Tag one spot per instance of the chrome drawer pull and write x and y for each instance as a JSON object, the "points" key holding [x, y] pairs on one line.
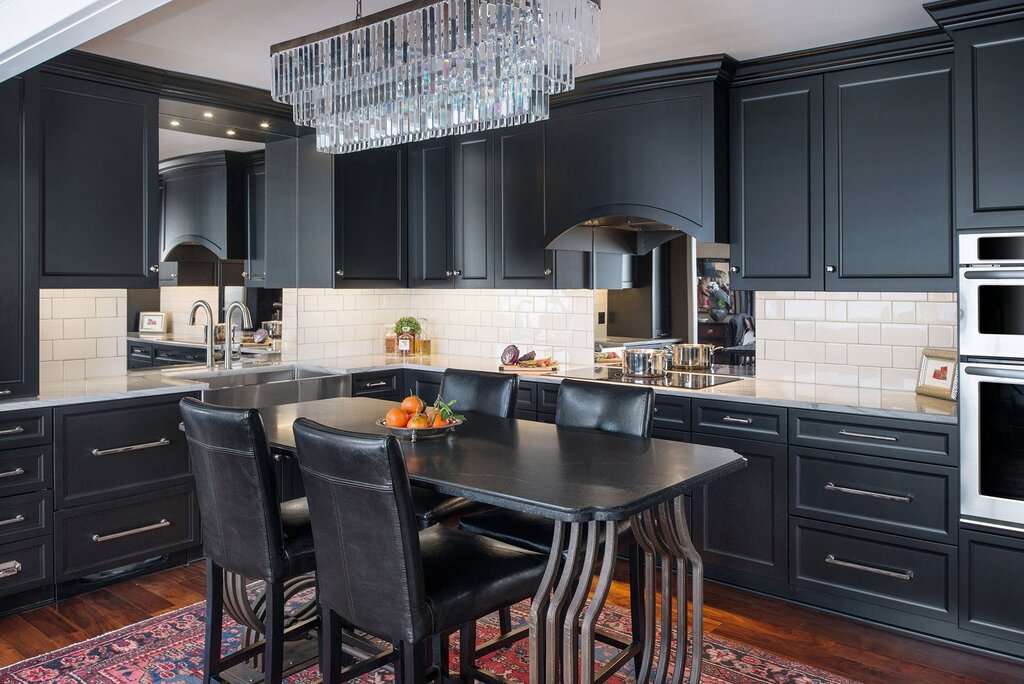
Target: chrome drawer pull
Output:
{"points": [[738, 421], [9, 569], [162, 442], [127, 533], [905, 575], [10, 521], [12, 473], [864, 435], [902, 498], [4, 393], [382, 383], [12, 431]]}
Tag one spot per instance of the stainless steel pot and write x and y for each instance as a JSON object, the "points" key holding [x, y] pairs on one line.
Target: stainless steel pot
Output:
{"points": [[693, 356], [645, 363]]}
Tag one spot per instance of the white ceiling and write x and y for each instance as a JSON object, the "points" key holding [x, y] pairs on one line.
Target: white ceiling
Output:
{"points": [[177, 143], [230, 39]]}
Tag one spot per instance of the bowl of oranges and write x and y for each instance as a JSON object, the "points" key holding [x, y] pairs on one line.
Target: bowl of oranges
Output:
{"points": [[415, 420]]}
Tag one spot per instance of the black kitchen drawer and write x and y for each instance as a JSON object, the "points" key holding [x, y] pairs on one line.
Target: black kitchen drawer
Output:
{"points": [[26, 470], [167, 355], [88, 465], [90, 539], [674, 435], [991, 590], [526, 400], [547, 397], [526, 415], [910, 440], [140, 351], [671, 413], [25, 565], [25, 428], [376, 384], [26, 515], [914, 499], [747, 421], [900, 573]]}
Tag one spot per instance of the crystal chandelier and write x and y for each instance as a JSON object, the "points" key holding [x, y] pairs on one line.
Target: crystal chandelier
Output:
{"points": [[430, 68]]}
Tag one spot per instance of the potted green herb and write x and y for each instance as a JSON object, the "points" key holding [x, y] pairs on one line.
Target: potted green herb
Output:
{"points": [[410, 322]]}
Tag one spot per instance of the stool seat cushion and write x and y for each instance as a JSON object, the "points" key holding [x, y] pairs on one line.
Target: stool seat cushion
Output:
{"points": [[526, 530]]}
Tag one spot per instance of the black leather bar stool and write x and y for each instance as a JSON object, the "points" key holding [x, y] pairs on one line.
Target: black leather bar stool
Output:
{"points": [[619, 409], [382, 576], [245, 530], [489, 394]]}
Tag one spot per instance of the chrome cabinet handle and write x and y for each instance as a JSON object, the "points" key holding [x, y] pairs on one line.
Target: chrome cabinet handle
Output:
{"points": [[864, 435], [830, 269], [9, 569], [245, 274], [4, 393], [738, 421], [127, 533], [457, 273], [905, 575], [902, 498], [12, 431], [339, 273], [382, 383], [10, 521], [449, 273], [162, 442], [734, 269], [547, 272], [154, 268], [12, 473]]}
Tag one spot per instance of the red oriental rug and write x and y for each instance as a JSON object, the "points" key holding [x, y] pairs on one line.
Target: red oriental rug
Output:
{"points": [[169, 648]]}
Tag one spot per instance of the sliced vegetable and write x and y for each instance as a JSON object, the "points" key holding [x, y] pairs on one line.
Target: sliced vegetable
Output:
{"points": [[510, 355]]}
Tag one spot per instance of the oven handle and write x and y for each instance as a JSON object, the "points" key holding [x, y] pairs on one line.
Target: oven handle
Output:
{"points": [[987, 372], [993, 274]]}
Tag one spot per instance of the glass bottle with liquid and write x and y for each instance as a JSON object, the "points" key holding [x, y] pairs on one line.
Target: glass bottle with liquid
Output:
{"points": [[406, 342], [390, 341], [423, 344]]}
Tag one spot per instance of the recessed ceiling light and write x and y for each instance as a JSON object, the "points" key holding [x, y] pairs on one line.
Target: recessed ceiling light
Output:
{"points": [[230, 131], [264, 124], [175, 123], [208, 115]]}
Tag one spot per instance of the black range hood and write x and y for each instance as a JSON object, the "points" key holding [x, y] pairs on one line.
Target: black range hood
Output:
{"points": [[633, 235]]}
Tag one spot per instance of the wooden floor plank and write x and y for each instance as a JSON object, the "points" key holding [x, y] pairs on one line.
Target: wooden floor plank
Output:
{"points": [[137, 595], [117, 608], [23, 636]]}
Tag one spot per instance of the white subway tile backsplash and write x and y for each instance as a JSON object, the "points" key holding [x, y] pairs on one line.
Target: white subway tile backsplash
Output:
{"points": [[869, 311], [846, 333], [936, 313], [805, 310], [82, 333], [914, 335]]}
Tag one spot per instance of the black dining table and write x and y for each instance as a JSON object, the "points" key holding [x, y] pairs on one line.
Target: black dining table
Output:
{"points": [[588, 482]]}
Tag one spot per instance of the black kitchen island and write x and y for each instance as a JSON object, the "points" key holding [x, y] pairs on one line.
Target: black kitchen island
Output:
{"points": [[589, 482]]}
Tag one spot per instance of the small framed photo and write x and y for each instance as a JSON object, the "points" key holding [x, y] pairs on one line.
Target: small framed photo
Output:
{"points": [[152, 322], [938, 375]]}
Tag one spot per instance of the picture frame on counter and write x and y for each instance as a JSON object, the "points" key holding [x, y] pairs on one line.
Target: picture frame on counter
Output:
{"points": [[154, 322], [938, 373]]}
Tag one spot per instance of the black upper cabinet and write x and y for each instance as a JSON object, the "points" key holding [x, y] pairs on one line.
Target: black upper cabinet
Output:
{"points": [[431, 241], [650, 154], [989, 139], [99, 190], [777, 214], [204, 203], [370, 220], [473, 209], [19, 259], [888, 177], [520, 259], [255, 273], [280, 181]]}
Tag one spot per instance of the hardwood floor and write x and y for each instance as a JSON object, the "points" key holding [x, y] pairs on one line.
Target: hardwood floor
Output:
{"points": [[859, 652]]}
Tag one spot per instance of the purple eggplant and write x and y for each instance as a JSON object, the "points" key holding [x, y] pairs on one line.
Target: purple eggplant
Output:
{"points": [[528, 356]]}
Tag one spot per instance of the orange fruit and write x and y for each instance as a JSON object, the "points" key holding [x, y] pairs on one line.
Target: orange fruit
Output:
{"points": [[438, 421], [412, 404], [418, 421], [396, 417]]}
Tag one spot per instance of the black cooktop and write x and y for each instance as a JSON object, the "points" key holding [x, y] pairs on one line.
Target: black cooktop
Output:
{"points": [[676, 379]]}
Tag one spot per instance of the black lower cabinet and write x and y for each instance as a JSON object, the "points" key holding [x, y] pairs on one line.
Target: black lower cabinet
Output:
{"points": [[991, 590], [386, 385], [740, 520], [424, 384]]}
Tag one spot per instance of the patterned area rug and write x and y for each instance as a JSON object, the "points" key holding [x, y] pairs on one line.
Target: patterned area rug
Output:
{"points": [[169, 649]]}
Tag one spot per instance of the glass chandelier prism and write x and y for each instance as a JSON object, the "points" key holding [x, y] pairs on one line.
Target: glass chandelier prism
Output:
{"points": [[430, 68]]}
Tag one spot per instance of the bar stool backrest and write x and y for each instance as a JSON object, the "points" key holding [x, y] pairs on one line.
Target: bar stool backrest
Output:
{"points": [[489, 394], [621, 409]]}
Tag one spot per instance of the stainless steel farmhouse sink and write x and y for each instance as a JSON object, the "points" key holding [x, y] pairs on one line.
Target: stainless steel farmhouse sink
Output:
{"points": [[258, 388]]}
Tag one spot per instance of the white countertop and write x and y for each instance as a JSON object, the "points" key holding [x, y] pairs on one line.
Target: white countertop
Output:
{"points": [[870, 402]]}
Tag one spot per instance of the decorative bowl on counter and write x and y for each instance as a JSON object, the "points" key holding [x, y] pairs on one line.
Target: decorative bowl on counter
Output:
{"points": [[414, 434]]}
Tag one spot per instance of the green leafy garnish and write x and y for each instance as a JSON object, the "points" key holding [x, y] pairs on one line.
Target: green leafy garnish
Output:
{"points": [[410, 322], [445, 408]]}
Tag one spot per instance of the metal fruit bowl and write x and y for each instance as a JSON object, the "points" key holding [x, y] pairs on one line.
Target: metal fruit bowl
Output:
{"points": [[414, 434]]}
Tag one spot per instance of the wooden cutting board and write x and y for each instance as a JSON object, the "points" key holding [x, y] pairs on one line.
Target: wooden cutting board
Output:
{"points": [[535, 370]]}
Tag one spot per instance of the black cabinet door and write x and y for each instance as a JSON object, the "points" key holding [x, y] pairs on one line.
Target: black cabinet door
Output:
{"points": [[19, 259], [100, 199], [888, 177], [204, 203], [280, 186], [740, 521], [473, 210], [989, 142], [431, 241], [777, 217], [255, 274], [520, 258], [370, 222], [991, 593], [424, 384]]}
